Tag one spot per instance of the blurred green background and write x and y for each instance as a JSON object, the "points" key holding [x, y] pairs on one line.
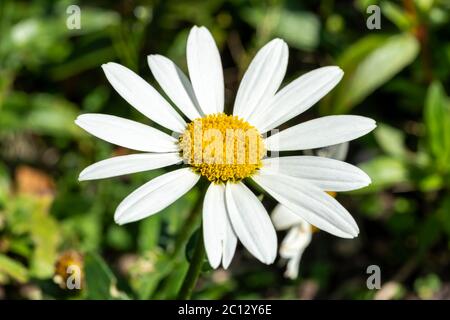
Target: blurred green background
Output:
{"points": [[49, 74]]}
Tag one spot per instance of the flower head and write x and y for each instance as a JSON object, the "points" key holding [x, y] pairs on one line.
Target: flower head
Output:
{"points": [[227, 149]]}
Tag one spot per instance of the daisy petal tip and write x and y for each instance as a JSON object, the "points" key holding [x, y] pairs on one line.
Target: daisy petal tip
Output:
{"points": [[106, 66], [226, 264], [364, 178], [349, 235], [370, 125], [367, 180], [279, 41], [202, 28], [78, 121], [84, 175], [355, 232], [214, 264], [353, 235], [118, 218], [153, 58], [194, 29], [269, 261], [336, 72], [374, 124]]}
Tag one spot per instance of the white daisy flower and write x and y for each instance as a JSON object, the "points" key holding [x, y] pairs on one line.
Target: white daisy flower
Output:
{"points": [[300, 232], [230, 210]]}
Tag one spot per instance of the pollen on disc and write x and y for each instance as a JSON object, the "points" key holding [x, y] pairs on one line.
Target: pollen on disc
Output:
{"points": [[222, 147]]}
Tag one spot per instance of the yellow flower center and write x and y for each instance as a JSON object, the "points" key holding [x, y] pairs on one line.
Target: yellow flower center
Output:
{"points": [[222, 147]]}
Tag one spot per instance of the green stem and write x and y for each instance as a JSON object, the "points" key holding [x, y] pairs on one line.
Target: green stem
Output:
{"points": [[188, 227], [194, 270]]}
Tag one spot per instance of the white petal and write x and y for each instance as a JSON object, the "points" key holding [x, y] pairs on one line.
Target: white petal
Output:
{"points": [[297, 239], [293, 266], [131, 163], [297, 97], [320, 132], [155, 195], [283, 218], [293, 246], [219, 238], [142, 96], [310, 203], [127, 133], [175, 84], [262, 78], [205, 70], [325, 173], [251, 222]]}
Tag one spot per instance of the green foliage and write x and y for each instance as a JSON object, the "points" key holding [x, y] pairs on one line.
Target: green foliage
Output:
{"points": [[100, 281], [437, 122], [49, 74], [286, 24], [368, 64], [12, 268]]}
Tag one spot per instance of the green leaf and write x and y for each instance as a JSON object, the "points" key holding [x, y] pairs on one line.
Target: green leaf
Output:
{"points": [[45, 235], [52, 115], [149, 270], [385, 172], [4, 184], [396, 15], [426, 287], [100, 281], [173, 282], [391, 140], [369, 64], [289, 24], [118, 238], [149, 231], [298, 28], [437, 121], [13, 269]]}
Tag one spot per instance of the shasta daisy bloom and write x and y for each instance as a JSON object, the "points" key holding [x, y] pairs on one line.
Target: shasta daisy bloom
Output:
{"points": [[227, 149]]}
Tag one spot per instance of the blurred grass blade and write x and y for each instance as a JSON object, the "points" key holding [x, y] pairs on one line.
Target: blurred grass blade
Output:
{"points": [[100, 281], [13, 269], [149, 230], [391, 140], [437, 122], [385, 172], [396, 15], [369, 64], [45, 234], [299, 29]]}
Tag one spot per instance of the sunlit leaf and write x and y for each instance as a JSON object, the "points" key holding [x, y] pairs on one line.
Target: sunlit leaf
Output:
{"points": [[385, 172], [437, 121], [100, 280], [149, 232], [13, 268], [299, 29], [391, 140], [368, 64], [45, 235], [52, 115]]}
